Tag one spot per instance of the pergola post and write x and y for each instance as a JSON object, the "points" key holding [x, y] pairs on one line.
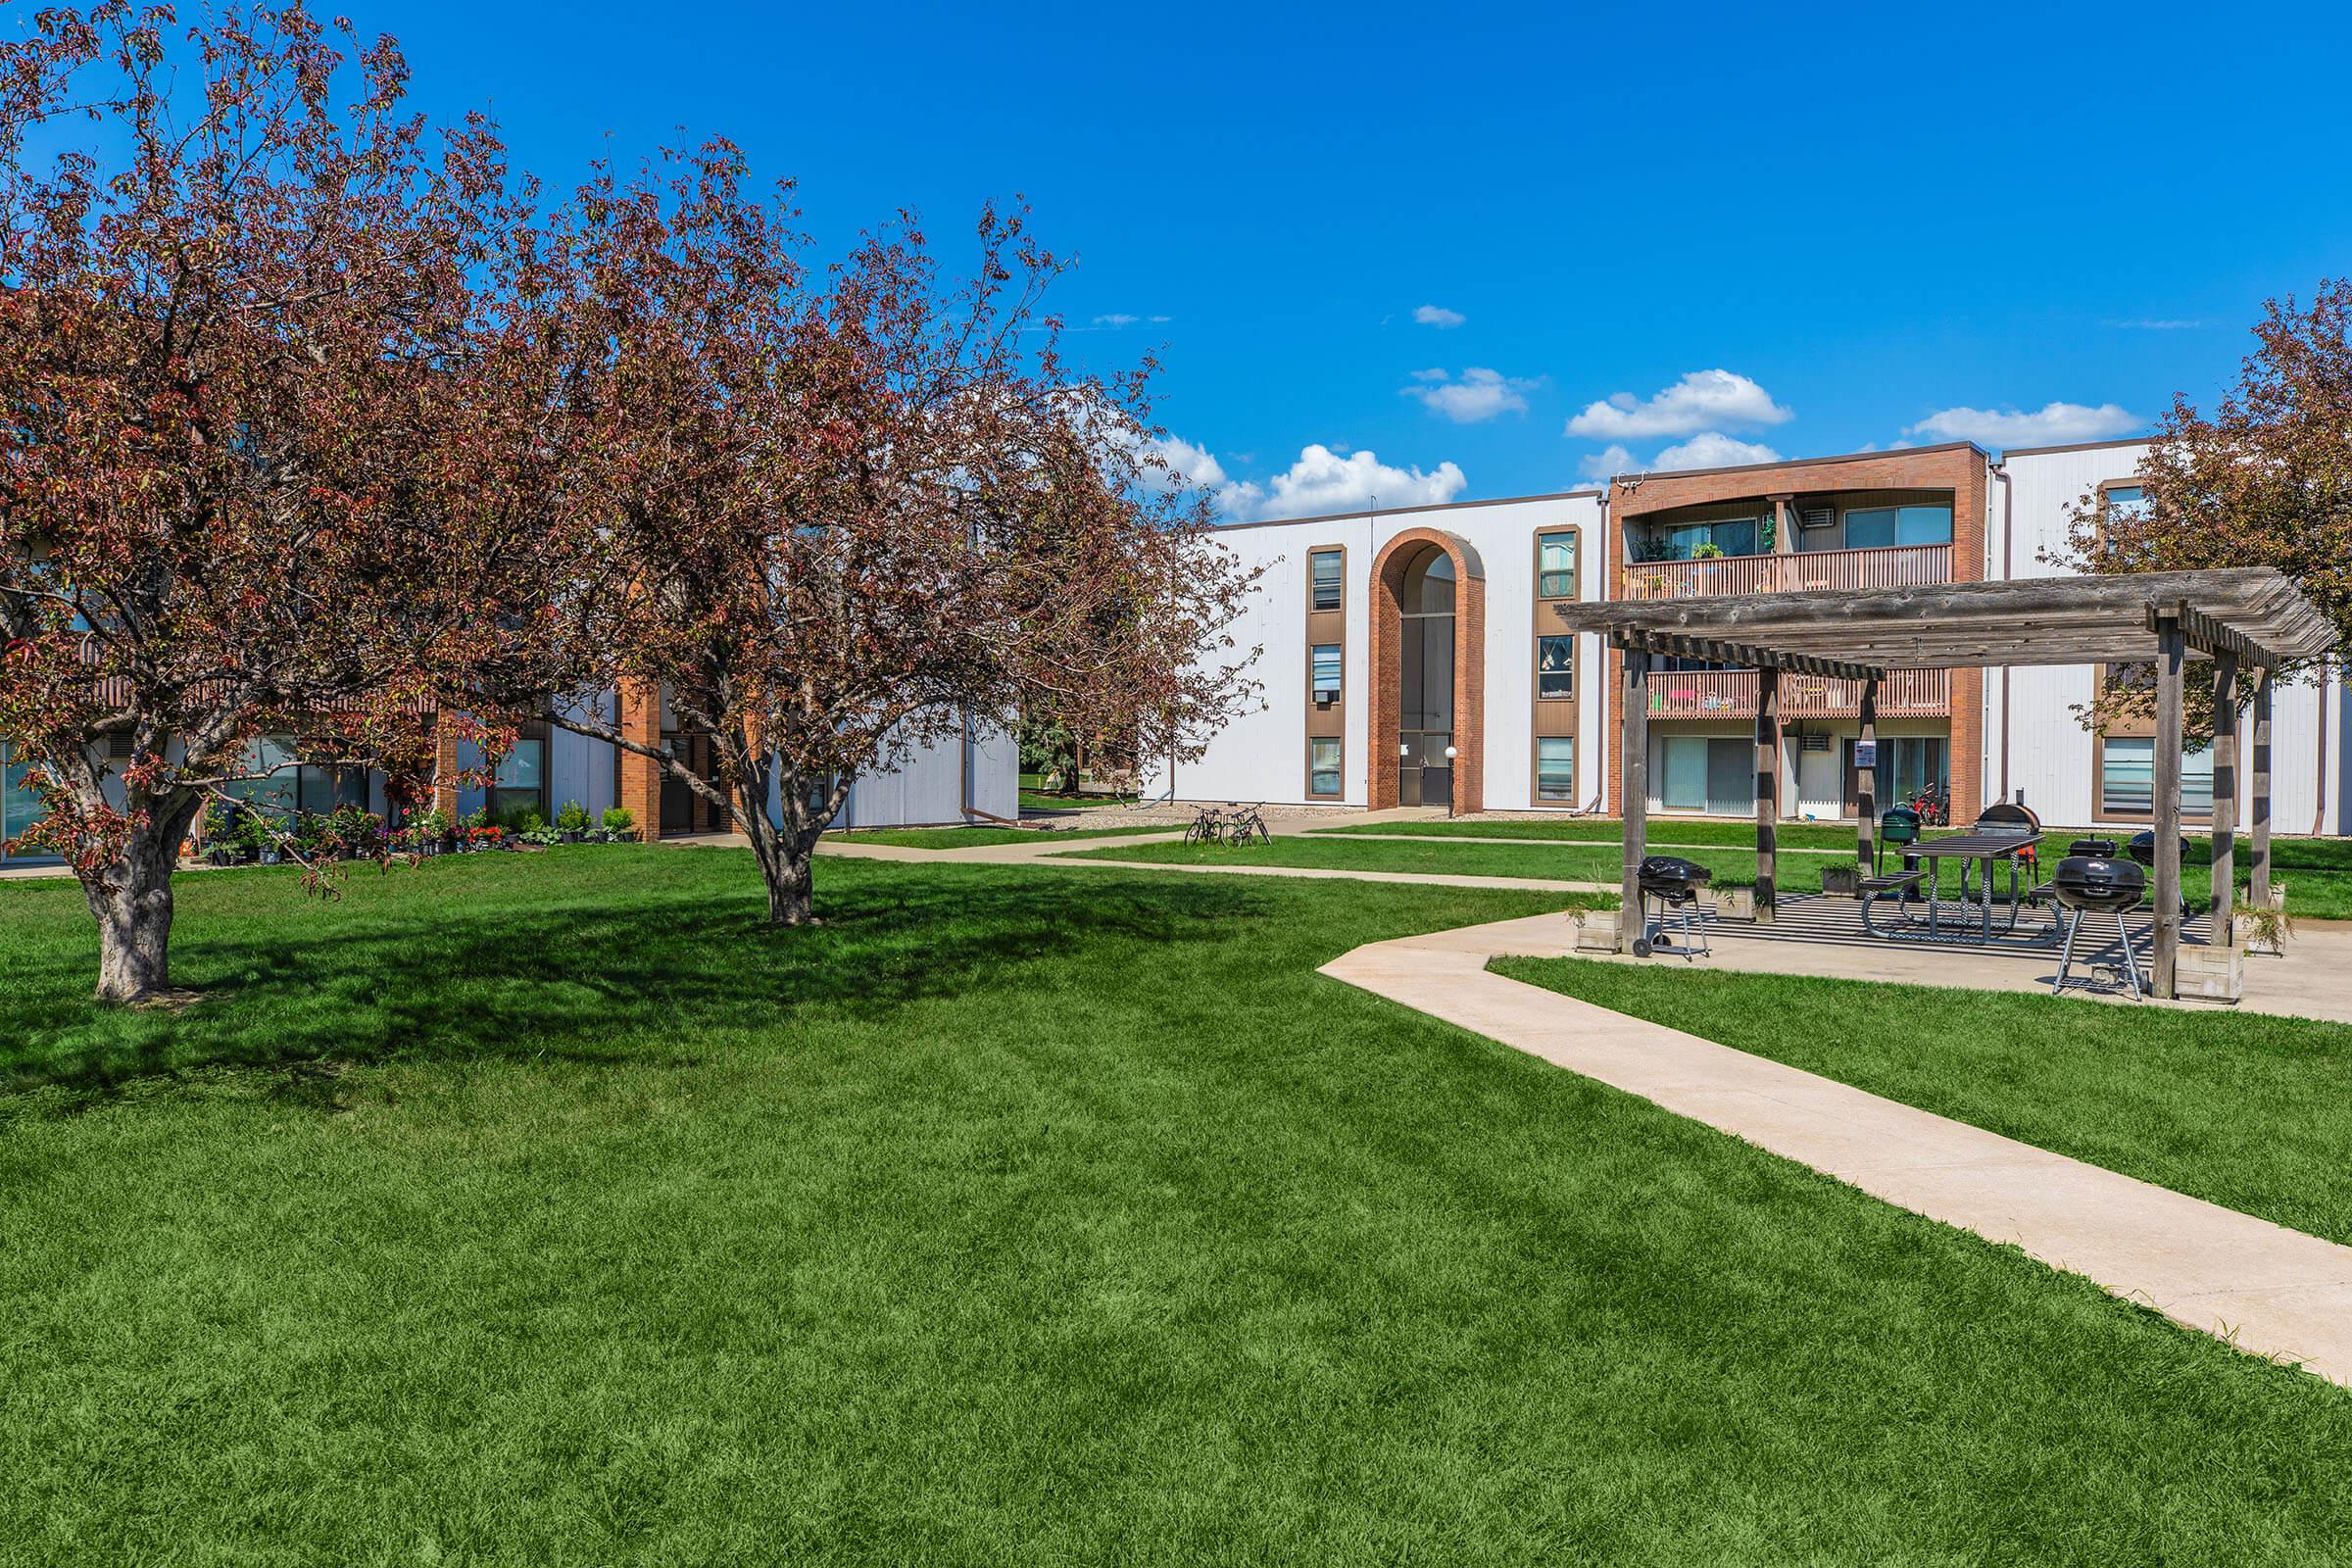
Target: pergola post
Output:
{"points": [[2260, 804], [2225, 798], [1768, 787], [1866, 781], [2171, 654], [1632, 789]]}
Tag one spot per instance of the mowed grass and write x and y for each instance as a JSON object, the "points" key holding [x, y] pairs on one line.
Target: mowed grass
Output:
{"points": [[1831, 836], [973, 838], [2318, 872], [1562, 862], [548, 1209], [2249, 1111]]}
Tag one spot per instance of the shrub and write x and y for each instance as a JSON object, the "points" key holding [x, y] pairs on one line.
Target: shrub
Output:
{"points": [[620, 819], [572, 818]]}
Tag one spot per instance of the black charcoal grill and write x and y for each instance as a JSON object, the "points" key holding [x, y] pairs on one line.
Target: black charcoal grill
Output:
{"points": [[2097, 884], [2143, 849], [1671, 884]]}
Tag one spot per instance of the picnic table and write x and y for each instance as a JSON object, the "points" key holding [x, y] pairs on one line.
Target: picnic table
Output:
{"points": [[1970, 850]]}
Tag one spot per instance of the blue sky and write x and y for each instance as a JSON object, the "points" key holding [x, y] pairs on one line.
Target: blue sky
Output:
{"points": [[1826, 229]]}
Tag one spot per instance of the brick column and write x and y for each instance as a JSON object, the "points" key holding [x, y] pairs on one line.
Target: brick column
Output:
{"points": [[641, 776]]}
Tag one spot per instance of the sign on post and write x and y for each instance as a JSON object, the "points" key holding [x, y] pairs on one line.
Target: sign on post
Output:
{"points": [[1866, 753]]}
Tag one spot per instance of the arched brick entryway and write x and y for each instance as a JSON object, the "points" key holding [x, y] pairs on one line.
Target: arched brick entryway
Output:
{"points": [[1388, 570]]}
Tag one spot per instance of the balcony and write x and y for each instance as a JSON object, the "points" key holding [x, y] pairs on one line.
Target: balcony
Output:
{"points": [[1815, 570], [1732, 693]]}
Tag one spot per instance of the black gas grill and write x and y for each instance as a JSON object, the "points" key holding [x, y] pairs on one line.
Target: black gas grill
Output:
{"points": [[2098, 884], [1672, 885]]}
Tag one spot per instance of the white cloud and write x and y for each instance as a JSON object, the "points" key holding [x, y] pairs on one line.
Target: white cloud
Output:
{"points": [[1438, 316], [2165, 323], [1712, 448], [1702, 400], [1193, 464], [1709, 449], [1322, 480], [1479, 394], [2057, 424], [1602, 465], [1117, 320]]}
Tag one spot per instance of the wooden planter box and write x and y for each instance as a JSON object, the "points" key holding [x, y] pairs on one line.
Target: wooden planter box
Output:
{"points": [[2210, 973], [1596, 931], [1843, 880], [1734, 904]]}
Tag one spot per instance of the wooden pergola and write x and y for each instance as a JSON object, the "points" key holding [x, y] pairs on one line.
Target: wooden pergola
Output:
{"points": [[2247, 622]]}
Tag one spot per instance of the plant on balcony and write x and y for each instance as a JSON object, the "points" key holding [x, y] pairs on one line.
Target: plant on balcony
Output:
{"points": [[1709, 550]]}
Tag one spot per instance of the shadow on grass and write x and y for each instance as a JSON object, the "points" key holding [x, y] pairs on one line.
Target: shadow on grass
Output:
{"points": [[640, 977]]}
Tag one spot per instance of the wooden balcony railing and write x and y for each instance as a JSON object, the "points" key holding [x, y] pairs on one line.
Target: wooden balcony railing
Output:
{"points": [[1732, 694], [1895, 566]]}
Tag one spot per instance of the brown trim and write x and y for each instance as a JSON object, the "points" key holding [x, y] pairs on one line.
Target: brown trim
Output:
{"points": [[1312, 551], [1408, 511], [1545, 713], [2077, 446], [1387, 631], [1324, 628]]}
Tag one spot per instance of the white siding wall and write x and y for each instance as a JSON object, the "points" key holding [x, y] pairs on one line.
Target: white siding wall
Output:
{"points": [[2050, 751], [1262, 754]]}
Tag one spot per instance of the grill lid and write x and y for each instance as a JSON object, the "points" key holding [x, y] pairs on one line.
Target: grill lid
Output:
{"points": [[2097, 878], [2142, 847], [2008, 816], [1672, 870]]}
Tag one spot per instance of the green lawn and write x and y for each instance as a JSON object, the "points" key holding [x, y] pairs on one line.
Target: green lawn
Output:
{"points": [[548, 1209], [2249, 1111], [972, 838], [1609, 830], [2318, 872], [1800, 868]]}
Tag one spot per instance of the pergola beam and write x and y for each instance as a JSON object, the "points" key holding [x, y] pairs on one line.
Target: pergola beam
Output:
{"points": [[2217, 641], [1748, 655]]}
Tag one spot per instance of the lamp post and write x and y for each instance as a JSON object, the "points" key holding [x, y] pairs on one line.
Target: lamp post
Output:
{"points": [[1450, 754]]}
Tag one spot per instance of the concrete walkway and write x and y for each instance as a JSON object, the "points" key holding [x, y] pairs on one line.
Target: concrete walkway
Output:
{"points": [[2273, 1292]]}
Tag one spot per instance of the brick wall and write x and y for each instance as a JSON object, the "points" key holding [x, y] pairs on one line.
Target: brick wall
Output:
{"points": [[1383, 784], [1959, 468], [641, 776]]}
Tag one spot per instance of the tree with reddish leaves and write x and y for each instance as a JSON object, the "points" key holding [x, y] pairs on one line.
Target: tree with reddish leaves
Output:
{"points": [[2266, 480], [836, 516], [275, 459]]}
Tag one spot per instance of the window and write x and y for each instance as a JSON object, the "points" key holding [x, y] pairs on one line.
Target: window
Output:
{"points": [[1324, 566], [1325, 659], [519, 785], [2126, 503], [1878, 527], [1555, 767], [1732, 536], [1555, 666], [1715, 775], [1909, 766], [19, 805], [2127, 778], [1323, 764], [280, 785], [1556, 565]]}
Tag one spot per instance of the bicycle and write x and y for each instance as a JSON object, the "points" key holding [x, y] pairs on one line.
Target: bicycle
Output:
{"points": [[1245, 823], [1206, 828]]}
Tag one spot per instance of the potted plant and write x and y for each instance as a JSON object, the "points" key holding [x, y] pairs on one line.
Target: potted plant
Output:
{"points": [[2262, 930], [620, 826], [572, 822], [1711, 551]]}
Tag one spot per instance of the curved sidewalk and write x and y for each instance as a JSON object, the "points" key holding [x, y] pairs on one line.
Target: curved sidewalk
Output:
{"points": [[2275, 1291]]}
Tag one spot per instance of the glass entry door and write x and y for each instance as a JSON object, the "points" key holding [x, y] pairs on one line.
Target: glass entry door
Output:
{"points": [[1425, 682]]}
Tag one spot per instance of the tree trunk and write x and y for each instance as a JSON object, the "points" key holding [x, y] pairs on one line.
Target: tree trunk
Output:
{"points": [[132, 900], [786, 854]]}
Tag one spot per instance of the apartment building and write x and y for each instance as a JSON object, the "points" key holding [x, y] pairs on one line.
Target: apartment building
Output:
{"points": [[971, 775], [1410, 657]]}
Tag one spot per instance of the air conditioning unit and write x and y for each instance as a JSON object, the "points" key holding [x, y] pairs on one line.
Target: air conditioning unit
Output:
{"points": [[1816, 517], [1324, 698]]}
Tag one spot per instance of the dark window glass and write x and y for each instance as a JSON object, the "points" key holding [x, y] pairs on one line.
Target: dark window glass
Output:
{"points": [[1555, 666], [1323, 765]]}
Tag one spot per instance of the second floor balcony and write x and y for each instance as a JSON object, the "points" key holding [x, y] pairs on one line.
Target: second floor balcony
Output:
{"points": [[1790, 571], [1732, 694]]}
